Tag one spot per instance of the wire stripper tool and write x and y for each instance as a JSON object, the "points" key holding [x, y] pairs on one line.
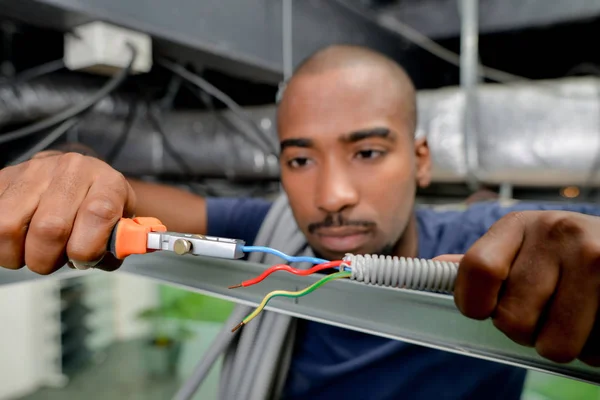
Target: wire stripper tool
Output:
{"points": [[143, 235]]}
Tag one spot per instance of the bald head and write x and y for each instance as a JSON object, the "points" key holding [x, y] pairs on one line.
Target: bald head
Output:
{"points": [[357, 68], [349, 161]]}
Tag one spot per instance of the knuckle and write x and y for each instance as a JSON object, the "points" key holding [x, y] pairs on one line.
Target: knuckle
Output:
{"points": [[118, 183], [71, 160], [104, 208], [46, 153], [559, 225], [484, 264], [51, 228], [517, 216], [590, 255], [12, 233], [11, 229]]}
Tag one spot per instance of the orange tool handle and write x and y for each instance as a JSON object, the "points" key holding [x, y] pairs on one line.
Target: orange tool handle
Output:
{"points": [[130, 236]]}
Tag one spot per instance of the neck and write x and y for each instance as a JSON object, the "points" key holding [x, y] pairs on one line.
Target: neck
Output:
{"points": [[408, 245]]}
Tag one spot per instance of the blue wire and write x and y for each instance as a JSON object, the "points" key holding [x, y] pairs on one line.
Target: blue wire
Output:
{"points": [[312, 260], [263, 249]]}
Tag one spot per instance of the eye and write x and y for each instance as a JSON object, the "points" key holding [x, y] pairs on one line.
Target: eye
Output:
{"points": [[370, 154], [298, 162]]}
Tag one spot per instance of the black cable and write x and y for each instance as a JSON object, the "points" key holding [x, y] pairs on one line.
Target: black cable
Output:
{"points": [[258, 135], [427, 44], [111, 85], [172, 91], [46, 141], [122, 139], [155, 121], [35, 72]]}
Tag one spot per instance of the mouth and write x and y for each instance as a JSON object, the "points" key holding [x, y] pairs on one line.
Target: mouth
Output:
{"points": [[342, 239]]}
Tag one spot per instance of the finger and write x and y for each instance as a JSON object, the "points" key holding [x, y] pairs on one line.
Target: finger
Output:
{"points": [[47, 153], [591, 351], [18, 202], [486, 265], [109, 263], [455, 258], [53, 220], [571, 316], [527, 291], [110, 197]]}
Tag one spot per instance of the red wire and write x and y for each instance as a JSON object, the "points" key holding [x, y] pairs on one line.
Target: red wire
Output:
{"points": [[284, 267]]}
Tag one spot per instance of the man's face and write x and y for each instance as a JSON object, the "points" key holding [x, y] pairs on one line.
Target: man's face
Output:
{"points": [[349, 163]]}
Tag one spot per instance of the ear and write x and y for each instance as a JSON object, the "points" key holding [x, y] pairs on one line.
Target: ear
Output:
{"points": [[423, 160]]}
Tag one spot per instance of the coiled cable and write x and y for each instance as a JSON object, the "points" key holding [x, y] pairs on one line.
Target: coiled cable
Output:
{"points": [[403, 272]]}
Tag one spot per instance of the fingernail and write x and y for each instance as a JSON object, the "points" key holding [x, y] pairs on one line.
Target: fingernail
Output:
{"points": [[83, 265]]}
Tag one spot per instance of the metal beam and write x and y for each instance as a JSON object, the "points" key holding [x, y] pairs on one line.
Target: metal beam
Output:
{"points": [[243, 38], [425, 319]]}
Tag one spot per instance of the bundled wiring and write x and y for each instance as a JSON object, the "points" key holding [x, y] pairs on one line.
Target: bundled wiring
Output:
{"points": [[46, 141], [117, 147], [427, 44], [284, 293], [262, 249], [74, 111], [257, 134], [287, 268], [155, 121], [35, 72]]}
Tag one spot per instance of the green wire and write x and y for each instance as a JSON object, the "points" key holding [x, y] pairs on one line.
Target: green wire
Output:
{"points": [[300, 293]]}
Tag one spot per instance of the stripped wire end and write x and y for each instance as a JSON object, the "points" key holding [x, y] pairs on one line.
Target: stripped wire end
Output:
{"points": [[236, 286], [284, 293], [238, 326]]}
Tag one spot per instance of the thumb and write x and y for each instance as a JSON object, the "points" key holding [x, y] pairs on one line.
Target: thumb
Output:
{"points": [[449, 257]]}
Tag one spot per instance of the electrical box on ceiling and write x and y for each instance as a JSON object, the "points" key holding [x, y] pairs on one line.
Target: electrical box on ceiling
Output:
{"points": [[101, 48]]}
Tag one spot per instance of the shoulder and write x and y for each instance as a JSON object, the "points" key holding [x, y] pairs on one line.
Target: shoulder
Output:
{"points": [[453, 229], [236, 218]]}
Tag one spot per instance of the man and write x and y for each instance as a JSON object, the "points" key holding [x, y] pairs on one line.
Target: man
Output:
{"points": [[350, 167]]}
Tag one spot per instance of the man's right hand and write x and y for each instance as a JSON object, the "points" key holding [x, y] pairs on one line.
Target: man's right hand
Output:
{"points": [[59, 207]]}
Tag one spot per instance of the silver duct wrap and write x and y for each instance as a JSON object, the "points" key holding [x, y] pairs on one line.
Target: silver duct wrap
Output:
{"points": [[544, 133], [49, 95], [209, 144]]}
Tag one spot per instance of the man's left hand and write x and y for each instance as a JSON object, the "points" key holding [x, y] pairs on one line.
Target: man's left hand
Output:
{"points": [[537, 275]]}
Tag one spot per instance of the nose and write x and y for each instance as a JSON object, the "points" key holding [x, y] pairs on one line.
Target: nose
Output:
{"points": [[336, 189]]}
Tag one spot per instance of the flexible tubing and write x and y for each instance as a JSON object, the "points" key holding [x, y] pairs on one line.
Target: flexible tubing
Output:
{"points": [[403, 272]]}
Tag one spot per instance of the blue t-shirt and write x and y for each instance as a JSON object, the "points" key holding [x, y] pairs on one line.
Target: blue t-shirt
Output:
{"points": [[336, 363]]}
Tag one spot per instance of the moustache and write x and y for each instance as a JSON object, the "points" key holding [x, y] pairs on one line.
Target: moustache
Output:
{"points": [[337, 220]]}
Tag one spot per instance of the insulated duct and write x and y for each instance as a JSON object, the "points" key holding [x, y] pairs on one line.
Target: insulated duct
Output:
{"points": [[48, 95], [211, 145], [544, 133]]}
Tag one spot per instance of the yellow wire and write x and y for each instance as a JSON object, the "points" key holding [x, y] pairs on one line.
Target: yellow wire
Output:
{"points": [[300, 293]]}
